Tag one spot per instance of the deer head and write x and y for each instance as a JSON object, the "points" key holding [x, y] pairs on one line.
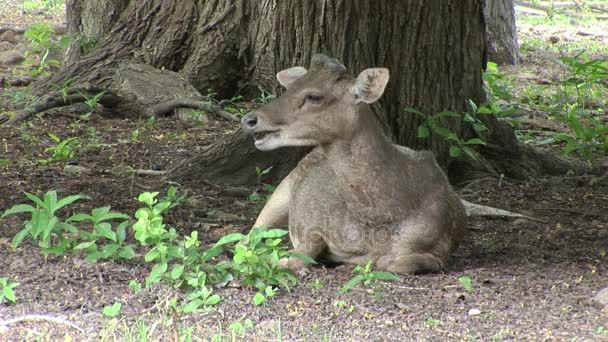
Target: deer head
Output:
{"points": [[321, 105]]}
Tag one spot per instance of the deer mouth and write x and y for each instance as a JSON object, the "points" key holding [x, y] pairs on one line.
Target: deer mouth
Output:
{"points": [[261, 136]]}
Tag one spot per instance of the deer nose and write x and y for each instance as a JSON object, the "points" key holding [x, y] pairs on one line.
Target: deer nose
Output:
{"points": [[249, 121]]}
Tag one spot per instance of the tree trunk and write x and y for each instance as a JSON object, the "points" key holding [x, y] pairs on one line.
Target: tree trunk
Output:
{"points": [[434, 49], [501, 32]]}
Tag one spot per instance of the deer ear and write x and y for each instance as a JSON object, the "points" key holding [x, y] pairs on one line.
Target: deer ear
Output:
{"points": [[288, 76], [370, 85]]}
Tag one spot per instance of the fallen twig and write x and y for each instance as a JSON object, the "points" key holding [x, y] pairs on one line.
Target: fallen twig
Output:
{"points": [[473, 209], [573, 211], [125, 170], [34, 317]]}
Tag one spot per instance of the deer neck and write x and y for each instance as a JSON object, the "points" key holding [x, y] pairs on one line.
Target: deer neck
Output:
{"points": [[364, 164]]}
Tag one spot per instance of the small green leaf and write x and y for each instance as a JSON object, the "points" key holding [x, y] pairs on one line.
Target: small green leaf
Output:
{"points": [[467, 283], [302, 257], [19, 208], [455, 151], [356, 280], [229, 239], [70, 199], [79, 217], [423, 132], [112, 310], [84, 245], [259, 299], [18, 238], [9, 293], [475, 141], [177, 271], [271, 234], [213, 300]]}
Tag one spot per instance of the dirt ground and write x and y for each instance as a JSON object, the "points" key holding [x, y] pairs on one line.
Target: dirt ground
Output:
{"points": [[530, 281]]}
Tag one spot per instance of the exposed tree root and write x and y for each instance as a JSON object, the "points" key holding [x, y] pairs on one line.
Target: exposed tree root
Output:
{"points": [[57, 99], [34, 317], [165, 107]]}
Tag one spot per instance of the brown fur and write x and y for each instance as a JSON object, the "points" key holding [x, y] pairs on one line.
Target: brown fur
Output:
{"points": [[356, 197]]}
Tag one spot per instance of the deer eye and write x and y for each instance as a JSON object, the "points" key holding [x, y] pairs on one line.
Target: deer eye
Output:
{"points": [[314, 98]]}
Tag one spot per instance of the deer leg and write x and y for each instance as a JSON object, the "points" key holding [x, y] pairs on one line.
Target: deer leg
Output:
{"points": [[276, 211], [411, 263], [312, 246]]}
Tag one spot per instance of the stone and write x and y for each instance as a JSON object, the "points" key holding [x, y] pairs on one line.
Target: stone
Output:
{"points": [[11, 57], [5, 46], [474, 312], [600, 300], [9, 36]]}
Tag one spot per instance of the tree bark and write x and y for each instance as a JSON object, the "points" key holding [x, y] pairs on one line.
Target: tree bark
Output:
{"points": [[434, 49], [501, 31]]}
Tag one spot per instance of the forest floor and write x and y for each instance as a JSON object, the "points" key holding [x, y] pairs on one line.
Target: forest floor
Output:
{"points": [[530, 281]]}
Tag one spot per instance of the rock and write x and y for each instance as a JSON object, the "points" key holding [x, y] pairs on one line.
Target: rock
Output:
{"points": [[21, 47], [60, 29], [5, 46], [474, 312], [18, 264], [228, 217], [11, 57], [76, 170], [600, 300], [9, 36]]}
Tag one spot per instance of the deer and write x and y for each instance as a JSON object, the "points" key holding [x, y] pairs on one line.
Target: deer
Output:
{"points": [[356, 197]]}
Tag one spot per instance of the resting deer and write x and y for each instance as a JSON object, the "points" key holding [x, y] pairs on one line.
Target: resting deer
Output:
{"points": [[356, 197]]}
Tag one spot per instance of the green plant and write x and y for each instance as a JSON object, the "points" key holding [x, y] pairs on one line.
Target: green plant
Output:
{"points": [[91, 101], [19, 96], [368, 278], [112, 310], [102, 229], [237, 328], [65, 87], [265, 96], [467, 283], [203, 298], [41, 42], [261, 199], [239, 111], [317, 284], [34, 4], [590, 138], [44, 226], [211, 95], [496, 83], [458, 146], [256, 258], [197, 117], [586, 76], [5, 162], [340, 304], [260, 298], [431, 323], [7, 290], [42, 66], [135, 286], [58, 237], [64, 150], [40, 36]]}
